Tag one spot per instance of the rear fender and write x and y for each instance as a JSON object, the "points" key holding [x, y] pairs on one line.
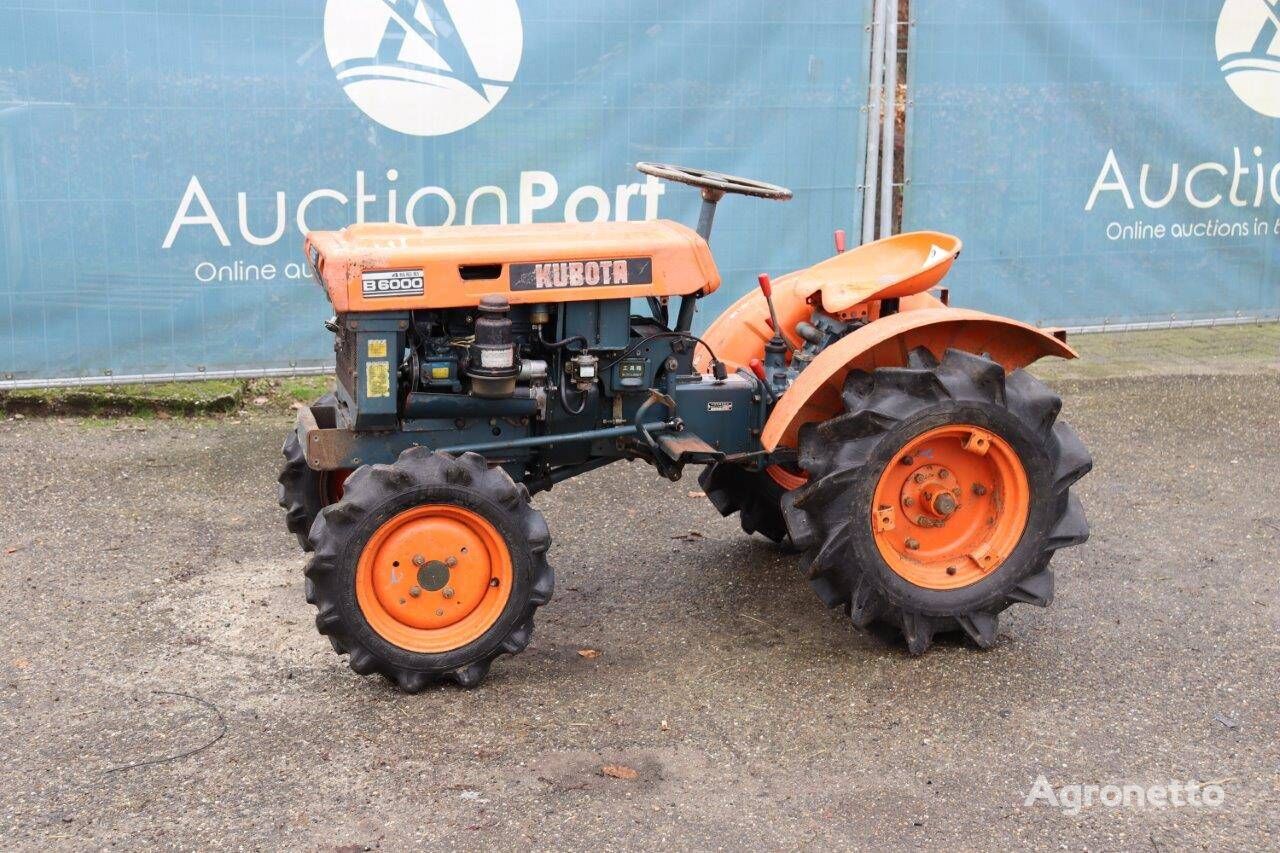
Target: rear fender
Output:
{"points": [[815, 395]]}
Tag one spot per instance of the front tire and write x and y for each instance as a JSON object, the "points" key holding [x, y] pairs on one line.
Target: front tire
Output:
{"points": [[429, 568], [939, 498]]}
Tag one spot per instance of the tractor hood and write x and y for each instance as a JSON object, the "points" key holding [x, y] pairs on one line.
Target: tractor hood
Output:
{"points": [[387, 266]]}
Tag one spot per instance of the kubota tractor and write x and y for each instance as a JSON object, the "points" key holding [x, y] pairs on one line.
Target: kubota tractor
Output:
{"points": [[845, 409]]}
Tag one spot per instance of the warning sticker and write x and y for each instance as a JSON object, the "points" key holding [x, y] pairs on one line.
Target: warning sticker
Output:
{"points": [[378, 348], [377, 379]]}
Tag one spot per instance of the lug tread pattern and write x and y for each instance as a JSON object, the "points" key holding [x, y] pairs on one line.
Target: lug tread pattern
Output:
{"points": [[834, 452]]}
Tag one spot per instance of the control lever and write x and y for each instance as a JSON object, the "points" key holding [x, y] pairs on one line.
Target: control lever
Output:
{"points": [[766, 287], [775, 351]]}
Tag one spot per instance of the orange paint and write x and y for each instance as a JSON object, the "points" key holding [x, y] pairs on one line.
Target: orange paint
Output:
{"points": [[950, 507], [434, 578], [815, 395], [681, 262], [786, 478], [902, 265]]}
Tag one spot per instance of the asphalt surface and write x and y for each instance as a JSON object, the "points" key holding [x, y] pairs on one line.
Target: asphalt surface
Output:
{"points": [[144, 560]]}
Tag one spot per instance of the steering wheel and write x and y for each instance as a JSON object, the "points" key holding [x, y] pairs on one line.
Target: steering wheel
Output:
{"points": [[714, 185]]}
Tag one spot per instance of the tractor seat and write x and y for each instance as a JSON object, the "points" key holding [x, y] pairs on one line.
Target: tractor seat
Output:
{"points": [[897, 266]]}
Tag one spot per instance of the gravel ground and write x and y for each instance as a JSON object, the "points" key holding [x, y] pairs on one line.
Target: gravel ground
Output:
{"points": [[155, 603]]}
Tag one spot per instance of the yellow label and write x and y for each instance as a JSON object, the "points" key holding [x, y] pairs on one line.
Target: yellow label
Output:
{"points": [[377, 378], [439, 373], [378, 348]]}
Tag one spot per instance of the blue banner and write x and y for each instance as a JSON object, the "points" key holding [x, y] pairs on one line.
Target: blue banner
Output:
{"points": [[159, 162], [1104, 162]]}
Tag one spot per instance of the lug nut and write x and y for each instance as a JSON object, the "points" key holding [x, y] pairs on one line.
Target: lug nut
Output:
{"points": [[908, 501], [979, 489], [447, 592], [419, 560], [439, 611], [451, 562], [907, 460], [913, 545], [951, 570], [944, 474], [920, 477], [493, 582], [415, 591]]}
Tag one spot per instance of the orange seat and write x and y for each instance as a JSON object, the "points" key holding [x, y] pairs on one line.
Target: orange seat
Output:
{"points": [[897, 266]]}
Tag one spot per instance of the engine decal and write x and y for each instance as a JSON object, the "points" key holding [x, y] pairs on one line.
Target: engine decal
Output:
{"points": [[558, 275], [720, 406], [384, 284]]}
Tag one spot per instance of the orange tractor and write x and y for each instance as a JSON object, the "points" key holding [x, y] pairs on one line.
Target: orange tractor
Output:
{"points": [[845, 409]]}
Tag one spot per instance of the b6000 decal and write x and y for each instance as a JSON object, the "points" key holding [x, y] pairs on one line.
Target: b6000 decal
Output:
{"points": [[387, 283]]}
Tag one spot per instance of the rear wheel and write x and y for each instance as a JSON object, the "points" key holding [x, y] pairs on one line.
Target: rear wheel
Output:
{"points": [[303, 491], [939, 498], [755, 495], [428, 569]]}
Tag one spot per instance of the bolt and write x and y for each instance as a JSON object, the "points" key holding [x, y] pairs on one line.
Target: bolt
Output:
{"points": [[447, 592], [951, 570], [439, 611], [907, 460], [922, 521], [402, 601], [419, 560], [921, 477], [493, 582], [912, 545], [908, 501], [979, 489], [451, 562], [415, 591], [944, 474]]}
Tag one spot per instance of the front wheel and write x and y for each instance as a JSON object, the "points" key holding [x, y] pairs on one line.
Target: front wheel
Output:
{"points": [[940, 496], [429, 568]]}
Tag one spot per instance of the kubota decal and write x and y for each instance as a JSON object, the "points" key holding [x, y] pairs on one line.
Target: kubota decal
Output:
{"points": [[555, 275]]}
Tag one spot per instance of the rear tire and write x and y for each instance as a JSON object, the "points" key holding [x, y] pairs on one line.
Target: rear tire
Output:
{"points": [[429, 568], [884, 543], [754, 495]]}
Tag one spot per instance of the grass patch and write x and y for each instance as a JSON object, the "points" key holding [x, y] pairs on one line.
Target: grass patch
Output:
{"points": [[166, 399]]}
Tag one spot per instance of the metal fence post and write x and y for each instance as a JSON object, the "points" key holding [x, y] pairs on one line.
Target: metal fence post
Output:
{"points": [[890, 142], [875, 101]]}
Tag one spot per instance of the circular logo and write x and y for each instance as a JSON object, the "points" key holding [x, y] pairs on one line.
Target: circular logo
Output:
{"points": [[1249, 50], [424, 67]]}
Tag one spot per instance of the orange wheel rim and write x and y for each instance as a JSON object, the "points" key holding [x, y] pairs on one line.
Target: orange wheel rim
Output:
{"points": [[434, 578], [786, 478], [950, 507]]}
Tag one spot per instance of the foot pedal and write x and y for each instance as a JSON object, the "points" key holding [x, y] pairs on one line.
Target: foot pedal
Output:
{"points": [[688, 449]]}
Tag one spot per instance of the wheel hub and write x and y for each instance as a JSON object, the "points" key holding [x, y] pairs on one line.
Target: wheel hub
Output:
{"points": [[434, 578], [950, 506]]}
